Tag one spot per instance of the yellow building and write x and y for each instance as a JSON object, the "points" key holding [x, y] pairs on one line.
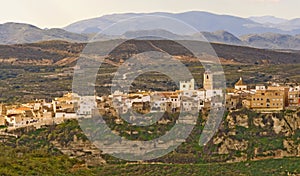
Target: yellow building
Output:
{"points": [[294, 98], [268, 99], [3, 110], [232, 101]]}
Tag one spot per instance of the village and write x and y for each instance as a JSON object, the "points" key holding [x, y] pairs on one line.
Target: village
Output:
{"points": [[263, 98]]}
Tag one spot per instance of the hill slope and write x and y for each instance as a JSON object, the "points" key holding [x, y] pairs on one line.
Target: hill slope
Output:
{"points": [[272, 41], [47, 53], [12, 33]]}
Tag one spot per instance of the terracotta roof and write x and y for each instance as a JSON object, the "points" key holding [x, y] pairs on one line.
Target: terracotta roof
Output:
{"points": [[240, 82], [23, 109]]}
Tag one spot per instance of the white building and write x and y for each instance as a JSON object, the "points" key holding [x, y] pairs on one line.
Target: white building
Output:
{"points": [[187, 85], [86, 105]]}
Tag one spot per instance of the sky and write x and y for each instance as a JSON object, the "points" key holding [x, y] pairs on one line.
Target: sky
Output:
{"points": [[60, 13]]}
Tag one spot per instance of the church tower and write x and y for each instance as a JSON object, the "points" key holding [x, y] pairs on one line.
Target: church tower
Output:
{"points": [[2, 115], [208, 80], [2, 110]]}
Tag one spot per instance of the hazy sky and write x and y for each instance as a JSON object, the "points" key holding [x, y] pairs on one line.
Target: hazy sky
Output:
{"points": [[59, 13]]}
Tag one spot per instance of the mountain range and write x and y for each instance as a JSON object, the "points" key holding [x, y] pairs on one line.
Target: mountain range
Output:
{"points": [[261, 32], [202, 21]]}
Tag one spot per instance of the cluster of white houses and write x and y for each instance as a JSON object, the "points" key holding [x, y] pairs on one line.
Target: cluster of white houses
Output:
{"points": [[187, 98], [73, 106]]}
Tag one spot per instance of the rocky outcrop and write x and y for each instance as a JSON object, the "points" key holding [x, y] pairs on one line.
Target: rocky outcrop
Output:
{"points": [[249, 135], [82, 150]]}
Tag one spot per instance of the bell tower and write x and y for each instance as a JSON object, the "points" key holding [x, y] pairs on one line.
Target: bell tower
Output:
{"points": [[2, 110], [208, 80]]}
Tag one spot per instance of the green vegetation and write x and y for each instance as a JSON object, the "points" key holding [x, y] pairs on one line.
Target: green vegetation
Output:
{"points": [[43, 164], [34, 154], [20, 161], [266, 167]]}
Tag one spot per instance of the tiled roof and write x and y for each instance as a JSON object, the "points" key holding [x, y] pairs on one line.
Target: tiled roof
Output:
{"points": [[240, 83]]}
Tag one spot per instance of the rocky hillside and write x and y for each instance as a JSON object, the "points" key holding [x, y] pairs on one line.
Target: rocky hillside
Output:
{"points": [[43, 53], [243, 136], [248, 135]]}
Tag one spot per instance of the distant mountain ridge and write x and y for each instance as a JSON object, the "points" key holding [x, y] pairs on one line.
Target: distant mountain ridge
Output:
{"points": [[14, 33], [261, 32], [271, 40], [202, 21]]}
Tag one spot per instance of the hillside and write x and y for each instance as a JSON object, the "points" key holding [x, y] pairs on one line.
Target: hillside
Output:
{"points": [[12, 33], [245, 142], [272, 41], [49, 53]]}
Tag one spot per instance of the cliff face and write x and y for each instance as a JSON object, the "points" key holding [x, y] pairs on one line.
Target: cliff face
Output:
{"points": [[246, 135]]}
